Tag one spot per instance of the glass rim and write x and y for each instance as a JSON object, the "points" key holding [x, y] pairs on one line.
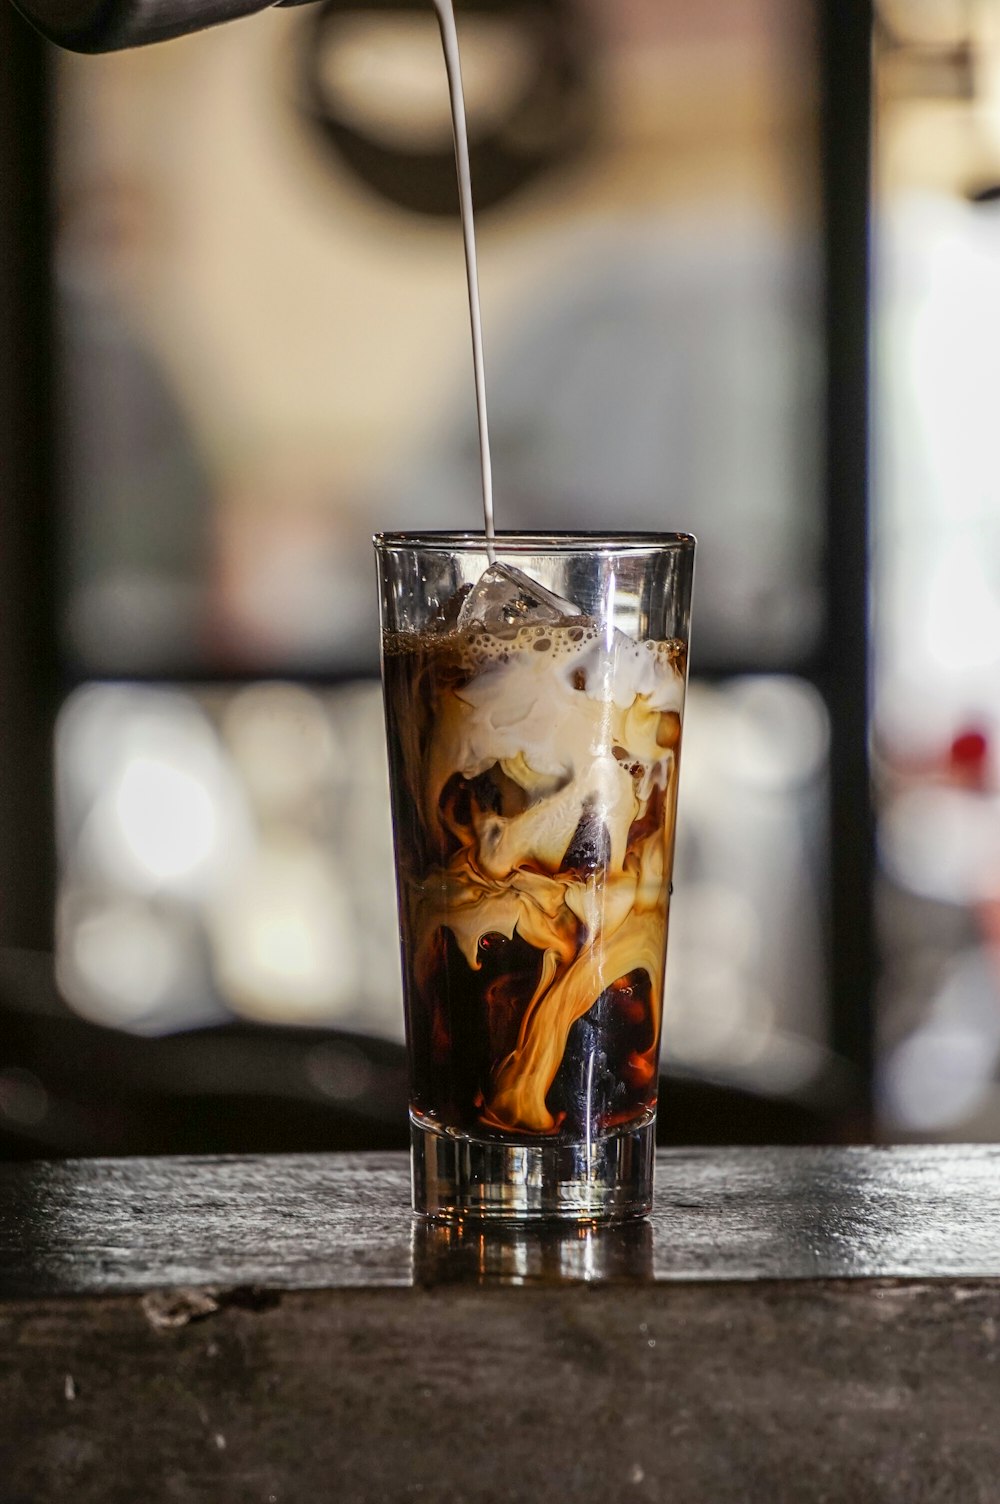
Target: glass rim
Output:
{"points": [[555, 541]]}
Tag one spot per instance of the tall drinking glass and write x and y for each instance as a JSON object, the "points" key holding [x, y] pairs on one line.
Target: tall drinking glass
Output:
{"points": [[534, 696]]}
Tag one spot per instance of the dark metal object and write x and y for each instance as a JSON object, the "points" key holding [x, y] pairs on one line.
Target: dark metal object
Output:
{"points": [[28, 662], [299, 1221], [110, 25], [843, 677]]}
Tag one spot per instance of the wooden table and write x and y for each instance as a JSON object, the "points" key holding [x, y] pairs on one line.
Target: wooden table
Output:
{"points": [[791, 1324]]}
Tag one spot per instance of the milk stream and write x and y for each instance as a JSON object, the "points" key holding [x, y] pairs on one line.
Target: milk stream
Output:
{"points": [[449, 41]]}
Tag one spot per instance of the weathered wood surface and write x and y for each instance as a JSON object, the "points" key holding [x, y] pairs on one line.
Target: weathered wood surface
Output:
{"points": [[781, 1393], [326, 1221], [791, 1326]]}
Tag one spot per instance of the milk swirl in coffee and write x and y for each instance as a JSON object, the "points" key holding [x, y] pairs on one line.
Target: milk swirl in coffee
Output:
{"points": [[535, 765], [534, 760]]}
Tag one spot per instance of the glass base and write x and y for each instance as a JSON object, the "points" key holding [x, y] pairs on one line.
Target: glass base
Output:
{"points": [[607, 1179]]}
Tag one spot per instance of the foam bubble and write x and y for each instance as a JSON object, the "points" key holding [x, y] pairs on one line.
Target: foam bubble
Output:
{"points": [[476, 649]]}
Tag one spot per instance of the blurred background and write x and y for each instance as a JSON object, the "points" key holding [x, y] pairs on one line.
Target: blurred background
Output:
{"points": [[721, 247]]}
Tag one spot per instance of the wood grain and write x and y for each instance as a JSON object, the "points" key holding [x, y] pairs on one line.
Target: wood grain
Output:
{"points": [[783, 1393], [791, 1326]]}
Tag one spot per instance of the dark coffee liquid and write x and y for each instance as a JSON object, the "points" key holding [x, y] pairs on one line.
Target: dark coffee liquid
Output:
{"points": [[532, 905], [465, 1023]]}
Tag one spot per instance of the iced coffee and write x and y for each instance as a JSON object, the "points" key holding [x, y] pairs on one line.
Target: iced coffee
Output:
{"points": [[534, 753]]}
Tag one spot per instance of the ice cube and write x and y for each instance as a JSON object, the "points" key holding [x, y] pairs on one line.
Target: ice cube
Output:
{"points": [[447, 614], [504, 599]]}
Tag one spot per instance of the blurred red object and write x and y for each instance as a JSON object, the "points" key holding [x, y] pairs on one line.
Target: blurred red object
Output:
{"points": [[969, 759]]}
